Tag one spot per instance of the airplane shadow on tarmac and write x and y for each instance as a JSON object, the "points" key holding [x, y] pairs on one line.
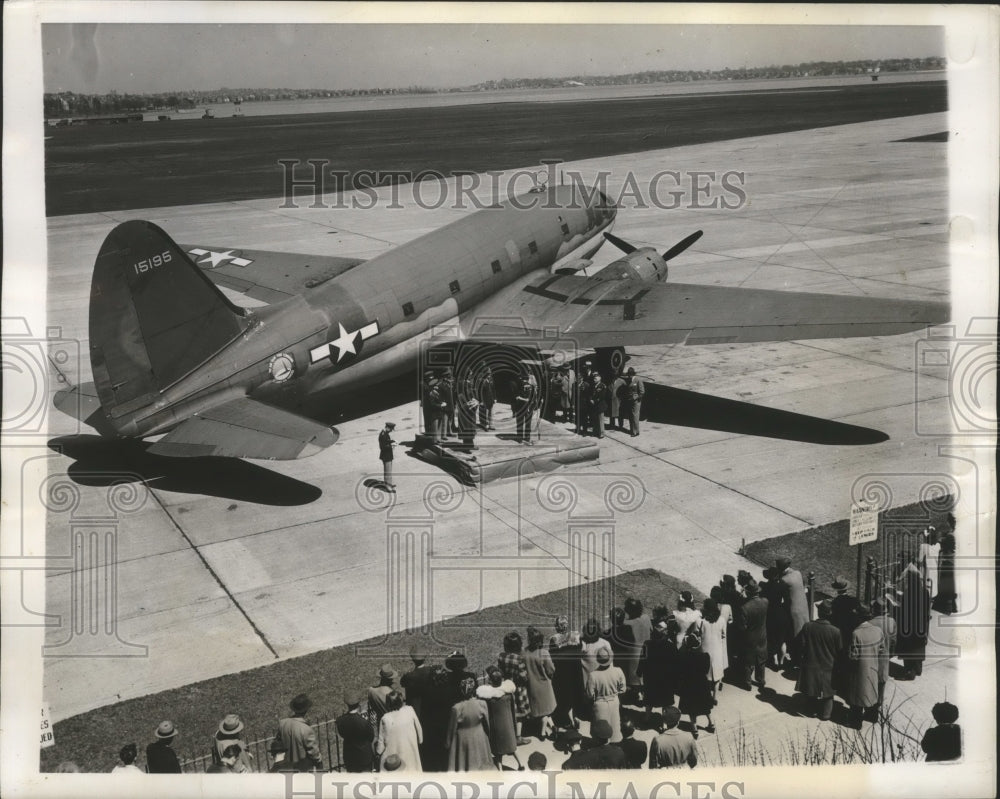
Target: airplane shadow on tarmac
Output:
{"points": [[677, 406], [101, 462]]}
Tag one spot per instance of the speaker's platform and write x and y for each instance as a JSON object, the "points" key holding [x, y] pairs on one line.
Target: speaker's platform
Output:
{"points": [[497, 456]]}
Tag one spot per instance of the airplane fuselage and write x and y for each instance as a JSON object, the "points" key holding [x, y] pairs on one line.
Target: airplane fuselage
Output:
{"points": [[369, 323]]}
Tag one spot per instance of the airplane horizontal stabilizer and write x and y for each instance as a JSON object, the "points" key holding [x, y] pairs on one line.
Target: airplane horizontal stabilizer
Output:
{"points": [[246, 428]]}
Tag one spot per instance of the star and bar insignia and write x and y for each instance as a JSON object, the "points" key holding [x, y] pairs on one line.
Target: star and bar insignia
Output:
{"points": [[347, 343]]}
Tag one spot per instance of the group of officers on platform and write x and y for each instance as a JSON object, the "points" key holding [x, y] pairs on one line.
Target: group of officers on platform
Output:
{"points": [[458, 408]]}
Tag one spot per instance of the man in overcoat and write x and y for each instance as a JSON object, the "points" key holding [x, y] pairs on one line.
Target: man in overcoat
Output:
{"points": [[818, 645], [887, 624], [633, 391], [487, 398], [751, 618], [795, 606], [860, 689]]}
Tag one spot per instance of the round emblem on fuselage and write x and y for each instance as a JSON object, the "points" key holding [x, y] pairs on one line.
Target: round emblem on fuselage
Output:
{"points": [[282, 367]]}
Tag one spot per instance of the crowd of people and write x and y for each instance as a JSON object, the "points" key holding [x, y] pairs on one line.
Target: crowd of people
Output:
{"points": [[665, 664], [590, 400]]}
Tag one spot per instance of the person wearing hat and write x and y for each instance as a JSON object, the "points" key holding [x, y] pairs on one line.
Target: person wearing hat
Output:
{"points": [[227, 734], [751, 622], [486, 391], [399, 733], [860, 684], [127, 755], [514, 668], [844, 609], [604, 685], [598, 397], [160, 756], [658, 665], [617, 402], [600, 754], [357, 734], [433, 406], [633, 391], [446, 387], [819, 646], [415, 683], [377, 694], [468, 738], [943, 742], [794, 605], [299, 738], [694, 688], [566, 650], [887, 624], [385, 447], [523, 406], [280, 764], [673, 747]]}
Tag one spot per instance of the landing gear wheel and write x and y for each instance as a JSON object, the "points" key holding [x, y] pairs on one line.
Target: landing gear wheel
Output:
{"points": [[611, 360]]}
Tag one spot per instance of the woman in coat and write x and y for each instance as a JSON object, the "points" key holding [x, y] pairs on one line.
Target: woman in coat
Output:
{"points": [[604, 685], [658, 666], [771, 590], [713, 642], [623, 649], [913, 622], [642, 629], [512, 667], [693, 686], [946, 600], [499, 697], [468, 739], [565, 650], [399, 733], [541, 670]]}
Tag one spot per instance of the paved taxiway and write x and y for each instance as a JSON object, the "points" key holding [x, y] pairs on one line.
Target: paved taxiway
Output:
{"points": [[225, 569]]}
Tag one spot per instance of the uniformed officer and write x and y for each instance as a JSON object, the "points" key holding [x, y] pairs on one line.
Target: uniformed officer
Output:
{"points": [[385, 454]]}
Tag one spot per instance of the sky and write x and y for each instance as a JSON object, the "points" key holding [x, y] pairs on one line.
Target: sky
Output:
{"points": [[146, 58]]}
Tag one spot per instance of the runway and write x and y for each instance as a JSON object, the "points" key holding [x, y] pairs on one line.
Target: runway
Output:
{"points": [[224, 567]]}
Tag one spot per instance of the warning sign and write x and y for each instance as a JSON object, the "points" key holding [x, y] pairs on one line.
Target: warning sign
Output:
{"points": [[48, 739], [864, 524]]}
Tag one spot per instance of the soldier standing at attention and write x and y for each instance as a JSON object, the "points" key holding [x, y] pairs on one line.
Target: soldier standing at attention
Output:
{"points": [[487, 398], [385, 446]]}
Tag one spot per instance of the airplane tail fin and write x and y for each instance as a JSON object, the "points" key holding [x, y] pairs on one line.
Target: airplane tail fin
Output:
{"points": [[154, 316]]}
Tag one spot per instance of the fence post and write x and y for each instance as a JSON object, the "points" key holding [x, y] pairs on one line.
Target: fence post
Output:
{"points": [[869, 578], [811, 592]]}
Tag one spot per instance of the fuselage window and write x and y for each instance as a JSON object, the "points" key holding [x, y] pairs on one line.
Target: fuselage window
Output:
{"points": [[455, 288], [565, 229], [532, 248], [496, 267], [407, 309]]}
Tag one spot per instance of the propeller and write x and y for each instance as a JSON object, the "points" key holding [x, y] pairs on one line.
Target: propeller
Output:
{"points": [[673, 252]]}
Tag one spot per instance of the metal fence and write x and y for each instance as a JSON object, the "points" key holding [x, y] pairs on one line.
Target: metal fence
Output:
{"points": [[260, 751]]}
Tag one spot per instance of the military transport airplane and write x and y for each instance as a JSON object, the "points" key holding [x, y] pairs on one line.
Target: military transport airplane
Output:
{"points": [[171, 355]]}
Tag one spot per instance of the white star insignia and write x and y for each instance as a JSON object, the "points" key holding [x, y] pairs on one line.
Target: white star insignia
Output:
{"points": [[344, 343], [216, 258]]}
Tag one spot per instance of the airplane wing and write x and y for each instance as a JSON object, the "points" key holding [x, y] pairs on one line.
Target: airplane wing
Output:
{"points": [[265, 275], [610, 313], [246, 428]]}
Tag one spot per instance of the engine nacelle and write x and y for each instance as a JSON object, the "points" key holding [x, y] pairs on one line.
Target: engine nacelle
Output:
{"points": [[643, 264]]}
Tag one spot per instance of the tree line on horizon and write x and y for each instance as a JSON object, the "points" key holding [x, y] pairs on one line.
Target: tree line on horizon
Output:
{"points": [[77, 104]]}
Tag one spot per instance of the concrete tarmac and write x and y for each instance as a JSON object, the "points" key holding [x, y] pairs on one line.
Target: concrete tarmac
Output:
{"points": [[225, 566]]}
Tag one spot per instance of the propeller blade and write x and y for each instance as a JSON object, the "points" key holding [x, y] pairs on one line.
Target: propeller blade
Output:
{"points": [[621, 244], [680, 246]]}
